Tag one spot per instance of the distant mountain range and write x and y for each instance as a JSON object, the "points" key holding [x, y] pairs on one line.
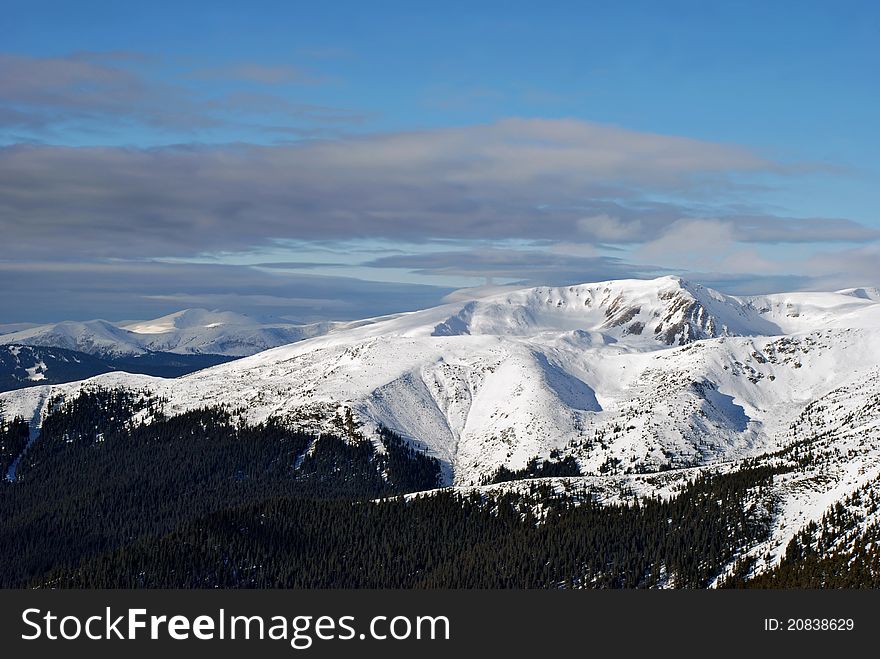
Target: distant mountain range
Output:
{"points": [[169, 346], [191, 331]]}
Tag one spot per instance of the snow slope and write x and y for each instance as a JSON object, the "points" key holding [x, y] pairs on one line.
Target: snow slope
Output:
{"points": [[93, 337], [625, 376]]}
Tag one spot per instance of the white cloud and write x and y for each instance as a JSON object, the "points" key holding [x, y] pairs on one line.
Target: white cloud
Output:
{"points": [[706, 244], [605, 228], [561, 180]]}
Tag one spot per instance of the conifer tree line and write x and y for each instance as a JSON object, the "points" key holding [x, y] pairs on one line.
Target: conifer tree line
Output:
{"points": [[441, 541], [537, 468], [842, 550], [14, 435], [203, 500]]}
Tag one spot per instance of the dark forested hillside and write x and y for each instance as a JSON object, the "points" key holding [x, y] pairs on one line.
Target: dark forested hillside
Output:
{"points": [[95, 481], [442, 541], [200, 500], [27, 366]]}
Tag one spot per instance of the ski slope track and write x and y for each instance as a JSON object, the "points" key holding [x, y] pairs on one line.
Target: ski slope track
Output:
{"points": [[643, 382]]}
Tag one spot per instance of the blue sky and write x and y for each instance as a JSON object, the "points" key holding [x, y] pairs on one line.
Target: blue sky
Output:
{"points": [[415, 148]]}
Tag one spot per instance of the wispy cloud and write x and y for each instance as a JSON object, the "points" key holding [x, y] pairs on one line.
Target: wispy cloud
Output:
{"points": [[100, 92], [857, 266], [38, 92], [522, 265], [53, 290], [561, 180], [257, 73], [265, 104]]}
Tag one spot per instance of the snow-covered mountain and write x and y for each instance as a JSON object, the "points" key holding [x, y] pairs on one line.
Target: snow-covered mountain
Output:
{"points": [[623, 375], [191, 331], [641, 383], [98, 338], [219, 333]]}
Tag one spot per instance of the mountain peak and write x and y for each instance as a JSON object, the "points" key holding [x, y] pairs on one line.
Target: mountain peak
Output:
{"points": [[863, 293], [188, 319], [668, 310]]}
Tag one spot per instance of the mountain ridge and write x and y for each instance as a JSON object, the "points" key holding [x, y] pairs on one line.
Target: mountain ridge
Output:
{"points": [[556, 375], [189, 331], [540, 369]]}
